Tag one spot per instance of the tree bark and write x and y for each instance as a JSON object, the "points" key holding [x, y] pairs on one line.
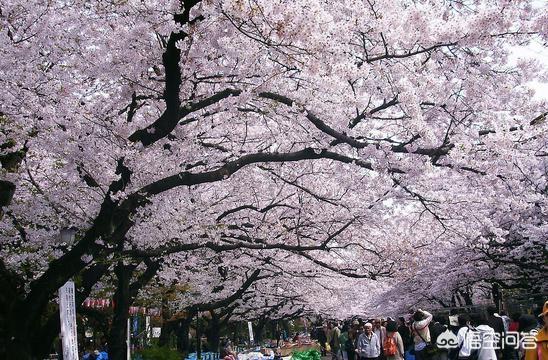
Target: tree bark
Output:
{"points": [[122, 301], [182, 334], [213, 332], [259, 329], [124, 297]]}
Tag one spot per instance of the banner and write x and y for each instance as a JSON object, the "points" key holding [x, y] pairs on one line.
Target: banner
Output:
{"points": [[67, 312], [250, 327], [135, 326]]}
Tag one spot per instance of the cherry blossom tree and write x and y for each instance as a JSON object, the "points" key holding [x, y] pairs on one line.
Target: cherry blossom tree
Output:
{"points": [[349, 132]]}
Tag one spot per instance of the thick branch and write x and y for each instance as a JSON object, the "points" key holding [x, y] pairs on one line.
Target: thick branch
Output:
{"points": [[386, 55], [333, 268], [343, 138], [166, 122], [227, 301], [224, 172], [170, 249]]}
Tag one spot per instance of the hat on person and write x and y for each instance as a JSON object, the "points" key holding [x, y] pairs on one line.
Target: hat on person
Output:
{"points": [[544, 309], [527, 323], [368, 325]]}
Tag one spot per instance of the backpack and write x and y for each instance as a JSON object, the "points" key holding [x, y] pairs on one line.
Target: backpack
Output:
{"points": [[390, 348], [436, 329], [454, 353]]}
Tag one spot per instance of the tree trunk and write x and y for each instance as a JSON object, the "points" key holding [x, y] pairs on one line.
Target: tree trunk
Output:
{"points": [[259, 330], [14, 339], [167, 328], [233, 331], [167, 325], [453, 301], [122, 301], [495, 290], [198, 339], [274, 331], [285, 326], [213, 333], [182, 335]]}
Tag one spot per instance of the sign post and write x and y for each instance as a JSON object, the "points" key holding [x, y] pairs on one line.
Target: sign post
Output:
{"points": [[128, 339], [250, 327], [67, 313], [148, 329]]}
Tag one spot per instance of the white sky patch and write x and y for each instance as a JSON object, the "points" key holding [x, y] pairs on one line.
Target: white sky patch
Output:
{"points": [[534, 50]]}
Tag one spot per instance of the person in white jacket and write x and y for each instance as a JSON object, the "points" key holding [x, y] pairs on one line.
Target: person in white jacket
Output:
{"points": [[368, 346], [477, 338], [487, 341], [465, 337], [421, 332]]}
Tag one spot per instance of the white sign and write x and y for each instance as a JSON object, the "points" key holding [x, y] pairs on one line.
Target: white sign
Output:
{"points": [[250, 327], [128, 340], [67, 312], [156, 331]]}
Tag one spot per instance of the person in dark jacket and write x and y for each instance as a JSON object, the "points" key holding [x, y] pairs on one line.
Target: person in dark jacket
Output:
{"points": [[438, 326], [322, 339], [496, 323], [405, 333]]}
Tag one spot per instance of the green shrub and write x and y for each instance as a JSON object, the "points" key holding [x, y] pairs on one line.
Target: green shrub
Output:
{"points": [[158, 353]]}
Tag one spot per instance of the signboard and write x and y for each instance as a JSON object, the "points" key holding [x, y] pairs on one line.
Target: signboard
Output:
{"points": [[250, 327], [67, 312], [156, 331]]}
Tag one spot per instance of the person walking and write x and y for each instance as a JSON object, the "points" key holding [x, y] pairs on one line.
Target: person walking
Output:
{"points": [[405, 333], [540, 349], [464, 338], [322, 339], [512, 339], [346, 341], [350, 344], [487, 339], [437, 327], [527, 331], [514, 323], [334, 341], [368, 346], [496, 322], [393, 347], [380, 331]]}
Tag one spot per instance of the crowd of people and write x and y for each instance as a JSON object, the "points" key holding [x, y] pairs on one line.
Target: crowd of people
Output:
{"points": [[422, 336]]}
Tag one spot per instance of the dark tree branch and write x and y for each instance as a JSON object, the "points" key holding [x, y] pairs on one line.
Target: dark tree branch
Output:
{"points": [[227, 301], [385, 105], [408, 53]]}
